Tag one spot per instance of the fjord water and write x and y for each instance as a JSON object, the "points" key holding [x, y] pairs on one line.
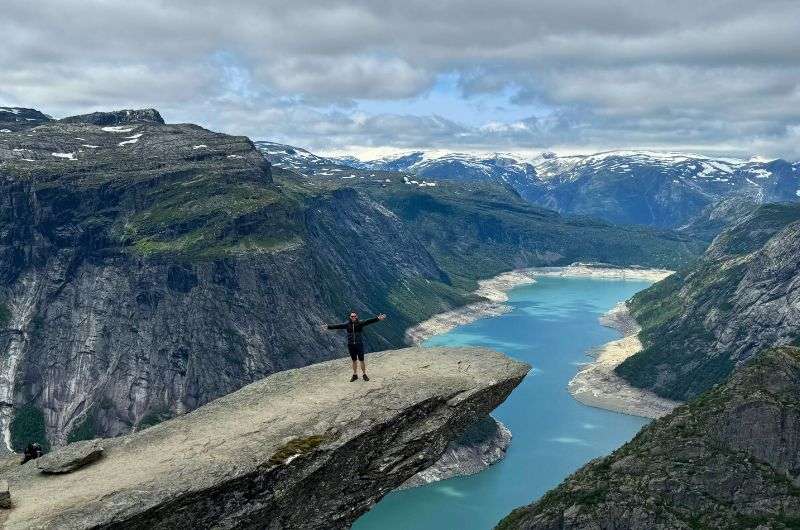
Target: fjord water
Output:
{"points": [[551, 326]]}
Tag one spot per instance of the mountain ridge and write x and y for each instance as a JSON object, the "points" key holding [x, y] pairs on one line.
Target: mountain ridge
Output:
{"points": [[666, 190]]}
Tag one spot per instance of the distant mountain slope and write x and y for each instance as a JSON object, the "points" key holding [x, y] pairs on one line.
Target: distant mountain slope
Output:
{"points": [[664, 190], [148, 268], [742, 296], [17, 119], [301, 161], [120, 117], [728, 459]]}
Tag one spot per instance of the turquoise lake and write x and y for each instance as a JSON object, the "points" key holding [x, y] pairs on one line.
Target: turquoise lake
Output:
{"points": [[551, 326]]}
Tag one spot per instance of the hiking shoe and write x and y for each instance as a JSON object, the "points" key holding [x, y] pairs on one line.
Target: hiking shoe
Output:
{"points": [[355, 377], [366, 378]]}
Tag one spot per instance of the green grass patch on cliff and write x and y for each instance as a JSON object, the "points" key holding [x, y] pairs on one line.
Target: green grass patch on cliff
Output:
{"points": [[675, 360], [206, 219], [28, 426], [297, 446]]}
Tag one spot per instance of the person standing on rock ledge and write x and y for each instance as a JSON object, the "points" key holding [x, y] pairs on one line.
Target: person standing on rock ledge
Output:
{"points": [[355, 341]]}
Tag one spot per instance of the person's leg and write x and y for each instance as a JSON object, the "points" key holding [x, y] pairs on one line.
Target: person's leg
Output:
{"points": [[363, 364], [353, 351]]}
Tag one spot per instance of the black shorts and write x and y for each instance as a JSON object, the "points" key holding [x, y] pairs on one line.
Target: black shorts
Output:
{"points": [[356, 351]]}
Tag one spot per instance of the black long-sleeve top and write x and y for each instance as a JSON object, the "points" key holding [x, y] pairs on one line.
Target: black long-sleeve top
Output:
{"points": [[354, 335]]}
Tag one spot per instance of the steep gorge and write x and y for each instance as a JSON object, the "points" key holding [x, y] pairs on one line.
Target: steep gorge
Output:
{"points": [[148, 268]]}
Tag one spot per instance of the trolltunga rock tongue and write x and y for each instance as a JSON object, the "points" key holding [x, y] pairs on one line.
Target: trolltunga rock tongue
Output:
{"points": [[303, 448]]}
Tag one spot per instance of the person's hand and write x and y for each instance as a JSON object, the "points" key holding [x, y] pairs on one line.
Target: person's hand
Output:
{"points": [[381, 316]]}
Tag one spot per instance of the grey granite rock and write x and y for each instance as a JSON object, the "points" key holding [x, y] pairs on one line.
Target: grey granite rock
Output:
{"points": [[71, 457], [304, 448]]}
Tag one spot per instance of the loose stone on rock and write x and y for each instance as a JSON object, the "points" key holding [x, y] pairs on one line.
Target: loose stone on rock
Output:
{"points": [[74, 456]]}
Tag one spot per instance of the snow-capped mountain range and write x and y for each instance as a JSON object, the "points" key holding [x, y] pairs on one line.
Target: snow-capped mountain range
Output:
{"points": [[659, 189]]}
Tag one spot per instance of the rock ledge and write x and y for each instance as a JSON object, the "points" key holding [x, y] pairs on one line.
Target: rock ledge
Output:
{"points": [[303, 448]]}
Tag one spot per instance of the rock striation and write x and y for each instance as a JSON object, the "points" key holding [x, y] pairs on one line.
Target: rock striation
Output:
{"points": [[303, 448], [728, 459]]}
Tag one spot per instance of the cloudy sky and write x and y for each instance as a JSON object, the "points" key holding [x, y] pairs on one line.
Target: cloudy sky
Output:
{"points": [[720, 77]]}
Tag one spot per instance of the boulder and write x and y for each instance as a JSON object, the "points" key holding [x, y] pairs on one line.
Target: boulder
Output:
{"points": [[69, 458]]}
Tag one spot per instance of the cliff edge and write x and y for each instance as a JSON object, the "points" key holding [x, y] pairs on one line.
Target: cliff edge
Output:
{"points": [[300, 448]]}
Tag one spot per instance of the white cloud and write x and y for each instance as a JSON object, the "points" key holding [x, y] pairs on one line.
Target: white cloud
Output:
{"points": [[718, 74]]}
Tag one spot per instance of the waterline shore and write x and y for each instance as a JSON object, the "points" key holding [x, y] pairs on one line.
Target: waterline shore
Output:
{"points": [[494, 291], [597, 384]]}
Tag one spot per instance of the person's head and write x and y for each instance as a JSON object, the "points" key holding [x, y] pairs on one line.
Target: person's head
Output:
{"points": [[353, 316]]}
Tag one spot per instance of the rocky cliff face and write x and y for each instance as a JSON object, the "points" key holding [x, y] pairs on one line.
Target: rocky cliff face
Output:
{"points": [[729, 459], [148, 268], [303, 448], [741, 297]]}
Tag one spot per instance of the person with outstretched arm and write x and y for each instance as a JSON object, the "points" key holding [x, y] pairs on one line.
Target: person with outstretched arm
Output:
{"points": [[355, 341]]}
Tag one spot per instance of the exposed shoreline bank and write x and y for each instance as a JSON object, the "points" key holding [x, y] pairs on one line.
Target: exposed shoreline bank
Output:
{"points": [[482, 444], [494, 291], [597, 384]]}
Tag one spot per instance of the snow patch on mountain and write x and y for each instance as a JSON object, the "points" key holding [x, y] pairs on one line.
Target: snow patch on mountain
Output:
{"points": [[117, 129]]}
